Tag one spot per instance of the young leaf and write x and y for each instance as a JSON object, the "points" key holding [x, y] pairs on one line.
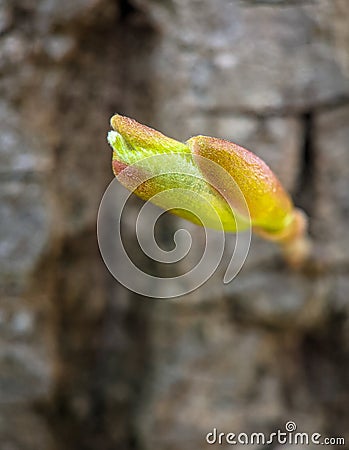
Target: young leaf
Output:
{"points": [[149, 164], [209, 181], [270, 206]]}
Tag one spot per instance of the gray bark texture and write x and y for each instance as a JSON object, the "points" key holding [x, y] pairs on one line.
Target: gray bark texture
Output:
{"points": [[86, 364]]}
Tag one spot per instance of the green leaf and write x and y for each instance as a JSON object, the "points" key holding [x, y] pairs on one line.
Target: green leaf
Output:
{"points": [[163, 170]]}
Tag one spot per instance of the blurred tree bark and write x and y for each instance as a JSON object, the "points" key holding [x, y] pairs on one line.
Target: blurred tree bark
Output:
{"points": [[84, 364]]}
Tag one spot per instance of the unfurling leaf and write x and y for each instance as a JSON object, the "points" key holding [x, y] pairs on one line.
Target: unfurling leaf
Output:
{"points": [[207, 180]]}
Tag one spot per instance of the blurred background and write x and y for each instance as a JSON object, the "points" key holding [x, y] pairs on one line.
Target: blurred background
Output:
{"points": [[86, 364]]}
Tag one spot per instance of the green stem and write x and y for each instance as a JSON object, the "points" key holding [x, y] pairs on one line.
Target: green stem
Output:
{"points": [[294, 241]]}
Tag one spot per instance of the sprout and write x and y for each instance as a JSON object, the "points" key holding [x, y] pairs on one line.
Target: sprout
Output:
{"points": [[229, 186]]}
